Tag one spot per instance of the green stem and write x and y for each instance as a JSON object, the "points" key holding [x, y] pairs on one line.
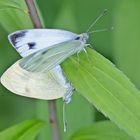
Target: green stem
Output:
{"points": [[33, 14], [51, 104]]}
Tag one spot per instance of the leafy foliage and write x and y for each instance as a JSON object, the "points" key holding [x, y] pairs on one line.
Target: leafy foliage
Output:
{"points": [[108, 89], [14, 15], [24, 131], [104, 130]]}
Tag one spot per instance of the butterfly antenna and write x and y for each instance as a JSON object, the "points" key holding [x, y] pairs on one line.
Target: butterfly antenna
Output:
{"points": [[102, 30], [64, 117], [97, 19]]}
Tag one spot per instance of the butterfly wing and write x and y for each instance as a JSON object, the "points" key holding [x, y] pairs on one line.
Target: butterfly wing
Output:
{"points": [[46, 59], [35, 85], [27, 42]]}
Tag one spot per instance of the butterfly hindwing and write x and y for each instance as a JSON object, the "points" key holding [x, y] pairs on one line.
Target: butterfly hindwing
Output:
{"points": [[46, 86]]}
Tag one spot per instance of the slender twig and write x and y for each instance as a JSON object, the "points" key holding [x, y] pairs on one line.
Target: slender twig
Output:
{"points": [[53, 120], [33, 14], [51, 104]]}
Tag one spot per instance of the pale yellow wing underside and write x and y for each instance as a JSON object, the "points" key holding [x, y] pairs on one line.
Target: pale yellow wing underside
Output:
{"points": [[34, 85]]}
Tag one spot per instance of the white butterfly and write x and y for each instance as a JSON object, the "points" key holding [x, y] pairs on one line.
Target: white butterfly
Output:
{"points": [[38, 74]]}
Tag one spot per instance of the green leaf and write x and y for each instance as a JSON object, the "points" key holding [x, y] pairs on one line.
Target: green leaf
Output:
{"points": [[107, 88], [101, 131], [14, 15], [6, 4], [24, 131]]}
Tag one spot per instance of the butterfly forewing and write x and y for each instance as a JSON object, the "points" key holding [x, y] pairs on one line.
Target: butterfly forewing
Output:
{"points": [[46, 59], [27, 42]]}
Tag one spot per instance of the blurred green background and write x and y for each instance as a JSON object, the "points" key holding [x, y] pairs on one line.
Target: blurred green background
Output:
{"points": [[121, 46]]}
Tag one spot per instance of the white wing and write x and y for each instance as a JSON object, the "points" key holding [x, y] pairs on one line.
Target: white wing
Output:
{"points": [[46, 59], [27, 42], [50, 85]]}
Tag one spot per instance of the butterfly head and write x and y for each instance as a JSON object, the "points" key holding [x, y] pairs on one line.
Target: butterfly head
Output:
{"points": [[83, 37]]}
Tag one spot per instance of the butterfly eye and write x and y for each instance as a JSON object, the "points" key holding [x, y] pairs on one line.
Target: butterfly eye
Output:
{"points": [[77, 38]]}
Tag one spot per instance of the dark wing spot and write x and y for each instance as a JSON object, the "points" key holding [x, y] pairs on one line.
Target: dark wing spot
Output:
{"points": [[31, 45], [14, 36]]}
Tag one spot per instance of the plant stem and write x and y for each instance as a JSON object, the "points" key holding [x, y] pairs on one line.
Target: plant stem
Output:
{"points": [[53, 119], [51, 104], [33, 14]]}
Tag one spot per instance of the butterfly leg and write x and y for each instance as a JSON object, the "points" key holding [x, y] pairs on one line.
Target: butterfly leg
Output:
{"points": [[87, 56], [86, 45], [90, 46]]}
